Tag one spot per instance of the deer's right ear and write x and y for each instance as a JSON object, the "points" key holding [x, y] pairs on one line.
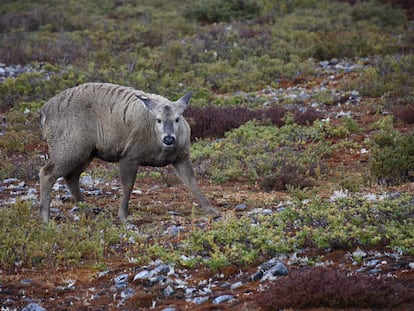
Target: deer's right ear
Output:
{"points": [[148, 103]]}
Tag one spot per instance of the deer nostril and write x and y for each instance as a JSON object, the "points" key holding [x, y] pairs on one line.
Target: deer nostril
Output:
{"points": [[169, 140]]}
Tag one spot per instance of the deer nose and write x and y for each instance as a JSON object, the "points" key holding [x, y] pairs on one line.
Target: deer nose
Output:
{"points": [[169, 140]]}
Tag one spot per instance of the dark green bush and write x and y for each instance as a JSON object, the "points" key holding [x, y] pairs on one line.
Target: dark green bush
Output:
{"points": [[214, 11]]}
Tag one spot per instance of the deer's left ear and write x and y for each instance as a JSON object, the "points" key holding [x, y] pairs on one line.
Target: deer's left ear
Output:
{"points": [[148, 103], [184, 102]]}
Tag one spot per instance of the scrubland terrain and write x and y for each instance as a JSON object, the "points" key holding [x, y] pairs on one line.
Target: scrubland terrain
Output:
{"points": [[302, 127]]}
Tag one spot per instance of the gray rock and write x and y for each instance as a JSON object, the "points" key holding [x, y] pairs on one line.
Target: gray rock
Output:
{"points": [[169, 309], [236, 285], [33, 307], [26, 281], [222, 298], [103, 273], [175, 230], [168, 291], [121, 281], [257, 276], [278, 270], [143, 275], [157, 280], [162, 269], [199, 300], [127, 293], [241, 207]]}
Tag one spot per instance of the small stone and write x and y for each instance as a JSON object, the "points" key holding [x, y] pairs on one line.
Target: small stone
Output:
{"points": [[121, 281], [33, 307], [374, 271], [169, 309], [278, 270], [168, 291], [26, 281], [127, 293], [143, 275], [175, 230], [241, 207], [257, 276], [103, 273], [267, 212], [162, 269], [157, 279], [199, 300], [236, 285], [411, 265], [222, 298], [372, 263]]}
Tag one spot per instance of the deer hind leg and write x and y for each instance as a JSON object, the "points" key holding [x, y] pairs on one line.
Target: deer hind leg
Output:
{"points": [[48, 176], [72, 180]]}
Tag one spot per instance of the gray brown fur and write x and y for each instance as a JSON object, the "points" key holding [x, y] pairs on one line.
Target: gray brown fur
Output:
{"points": [[117, 124]]}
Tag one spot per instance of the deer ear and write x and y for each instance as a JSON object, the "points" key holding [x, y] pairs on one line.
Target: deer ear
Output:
{"points": [[184, 102], [148, 103]]}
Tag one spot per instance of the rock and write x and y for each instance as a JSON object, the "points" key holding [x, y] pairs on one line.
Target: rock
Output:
{"points": [[241, 207], [121, 281], [162, 269], [342, 114], [168, 291], [236, 285], [156, 280], [222, 298], [10, 180], [127, 293], [169, 309], [257, 276], [372, 263], [269, 270], [411, 265], [175, 230], [199, 300], [103, 273], [267, 212], [143, 275], [26, 281], [33, 307]]}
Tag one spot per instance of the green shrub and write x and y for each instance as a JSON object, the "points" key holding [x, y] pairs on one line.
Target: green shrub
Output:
{"points": [[392, 157], [391, 77], [25, 241], [208, 11], [276, 157]]}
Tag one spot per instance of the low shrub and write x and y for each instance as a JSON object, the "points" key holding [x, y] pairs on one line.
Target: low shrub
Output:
{"points": [[392, 157], [405, 114], [391, 77], [331, 288], [222, 11], [256, 152], [27, 242]]}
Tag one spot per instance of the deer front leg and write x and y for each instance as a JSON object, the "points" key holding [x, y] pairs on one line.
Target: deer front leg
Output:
{"points": [[185, 172], [128, 173]]}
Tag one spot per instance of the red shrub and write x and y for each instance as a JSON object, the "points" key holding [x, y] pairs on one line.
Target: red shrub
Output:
{"points": [[405, 113], [327, 287]]}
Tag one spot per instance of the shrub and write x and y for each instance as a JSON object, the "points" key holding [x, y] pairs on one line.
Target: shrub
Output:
{"points": [[391, 77], [392, 157], [215, 11], [331, 288], [264, 153], [212, 121], [405, 113]]}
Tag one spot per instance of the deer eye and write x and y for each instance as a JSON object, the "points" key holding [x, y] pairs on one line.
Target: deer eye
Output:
{"points": [[177, 120], [159, 120]]}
